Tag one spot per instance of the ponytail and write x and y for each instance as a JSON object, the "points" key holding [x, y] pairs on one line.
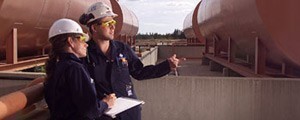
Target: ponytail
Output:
{"points": [[51, 64], [58, 45], [84, 18]]}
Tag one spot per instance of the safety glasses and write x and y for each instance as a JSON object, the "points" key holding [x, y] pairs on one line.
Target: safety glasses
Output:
{"points": [[108, 23], [82, 38]]}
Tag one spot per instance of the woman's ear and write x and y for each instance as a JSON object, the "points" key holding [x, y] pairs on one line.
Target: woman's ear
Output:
{"points": [[70, 42]]}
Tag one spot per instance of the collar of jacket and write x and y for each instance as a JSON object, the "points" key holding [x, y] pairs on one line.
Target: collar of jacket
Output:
{"points": [[93, 48], [69, 56]]}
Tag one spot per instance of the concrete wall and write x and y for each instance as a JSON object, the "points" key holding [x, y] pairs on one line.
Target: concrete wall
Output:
{"points": [[162, 52], [218, 98], [149, 57], [180, 51]]}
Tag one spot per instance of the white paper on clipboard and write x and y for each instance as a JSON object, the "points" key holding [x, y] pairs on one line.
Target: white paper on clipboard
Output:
{"points": [[122, 104]]}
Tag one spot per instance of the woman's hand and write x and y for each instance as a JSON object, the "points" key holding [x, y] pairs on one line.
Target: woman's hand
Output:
{"points": [[110, 100]]}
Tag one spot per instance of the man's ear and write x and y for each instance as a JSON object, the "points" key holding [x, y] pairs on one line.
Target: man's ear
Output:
{"points": [[93, 27]]}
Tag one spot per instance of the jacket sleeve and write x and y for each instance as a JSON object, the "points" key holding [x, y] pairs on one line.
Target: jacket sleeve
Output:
{"points": [[140, 72], [84, 95]]}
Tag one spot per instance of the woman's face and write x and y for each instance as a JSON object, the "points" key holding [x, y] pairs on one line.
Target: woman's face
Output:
{"points": [[80, 46]]}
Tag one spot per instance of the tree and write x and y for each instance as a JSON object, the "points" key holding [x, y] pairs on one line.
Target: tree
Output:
{"points": [[177, 34]]}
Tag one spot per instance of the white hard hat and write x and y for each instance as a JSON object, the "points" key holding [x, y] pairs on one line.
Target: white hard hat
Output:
{"points": [[100, 10], [63, 26]]}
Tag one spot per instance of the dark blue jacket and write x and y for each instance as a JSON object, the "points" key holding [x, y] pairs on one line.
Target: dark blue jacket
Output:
{"points": [[112, 73], [70, 93]]}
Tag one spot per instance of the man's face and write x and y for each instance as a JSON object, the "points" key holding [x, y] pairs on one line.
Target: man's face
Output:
{"points": [[106, 28]]}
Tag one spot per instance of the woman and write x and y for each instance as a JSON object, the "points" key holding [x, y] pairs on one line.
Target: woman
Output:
{"points": [[69, 91]]}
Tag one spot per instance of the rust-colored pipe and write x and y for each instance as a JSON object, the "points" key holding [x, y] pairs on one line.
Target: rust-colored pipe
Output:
{"points": [[16, 101], [187, 26], [190, 25], [127, 21], [33, 26], [191, 28], [196, 25], [281, 19], [274, 23]]}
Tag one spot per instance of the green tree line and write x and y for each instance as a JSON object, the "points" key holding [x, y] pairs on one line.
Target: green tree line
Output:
{"points": [[177, 34]]}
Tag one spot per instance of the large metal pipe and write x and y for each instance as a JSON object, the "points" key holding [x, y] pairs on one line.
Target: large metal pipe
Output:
{"points": [[16, 101], [274, 23], [130, 23], [191, 27], [33, 19], [127, 26], [281, 19], [188, 26]]}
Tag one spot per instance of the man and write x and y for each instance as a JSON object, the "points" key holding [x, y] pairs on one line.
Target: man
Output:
{"points": [[111, 62]]}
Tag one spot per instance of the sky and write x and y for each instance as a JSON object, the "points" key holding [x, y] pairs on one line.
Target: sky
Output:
{"points": [[160, 16]]}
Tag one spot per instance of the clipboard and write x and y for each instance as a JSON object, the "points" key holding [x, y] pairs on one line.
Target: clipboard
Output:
{"points": [[122, 104]]}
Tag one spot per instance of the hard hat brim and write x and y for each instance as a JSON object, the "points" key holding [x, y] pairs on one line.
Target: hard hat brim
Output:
{"points": [[111, 14]]}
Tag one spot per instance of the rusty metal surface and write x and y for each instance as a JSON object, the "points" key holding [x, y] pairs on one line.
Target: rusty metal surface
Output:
{"points": [[244, 71], [130, 23], [191, 27], [220, 19], [25, 64], [198, 34], [187, 26], [127, 21], [281, 19], [275, 23], [33, 19], [23, 16], [24, 97]]}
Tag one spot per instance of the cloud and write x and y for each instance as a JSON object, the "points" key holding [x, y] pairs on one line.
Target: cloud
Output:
{"points": [[162, 16], [181, 4], [155, 24]]}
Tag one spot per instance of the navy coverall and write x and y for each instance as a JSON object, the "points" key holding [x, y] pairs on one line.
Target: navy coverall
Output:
{"points": [[70, 93], [112, 73]]}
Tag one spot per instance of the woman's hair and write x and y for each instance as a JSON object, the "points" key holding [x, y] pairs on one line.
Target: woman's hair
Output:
{"points": [[58, 45]]}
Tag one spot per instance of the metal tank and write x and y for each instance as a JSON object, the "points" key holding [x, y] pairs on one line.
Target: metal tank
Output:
{"points": [[127, 26], [281, 19], [32, 20], [265, 29], [191, 27], [188, 26], [29, 22]]}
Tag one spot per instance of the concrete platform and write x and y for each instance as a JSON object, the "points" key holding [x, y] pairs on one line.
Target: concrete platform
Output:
{"points": [[193, 67]]}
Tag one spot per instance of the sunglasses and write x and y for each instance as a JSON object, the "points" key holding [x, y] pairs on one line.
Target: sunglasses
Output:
{"points": [[108, 23], [81, 38]]}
